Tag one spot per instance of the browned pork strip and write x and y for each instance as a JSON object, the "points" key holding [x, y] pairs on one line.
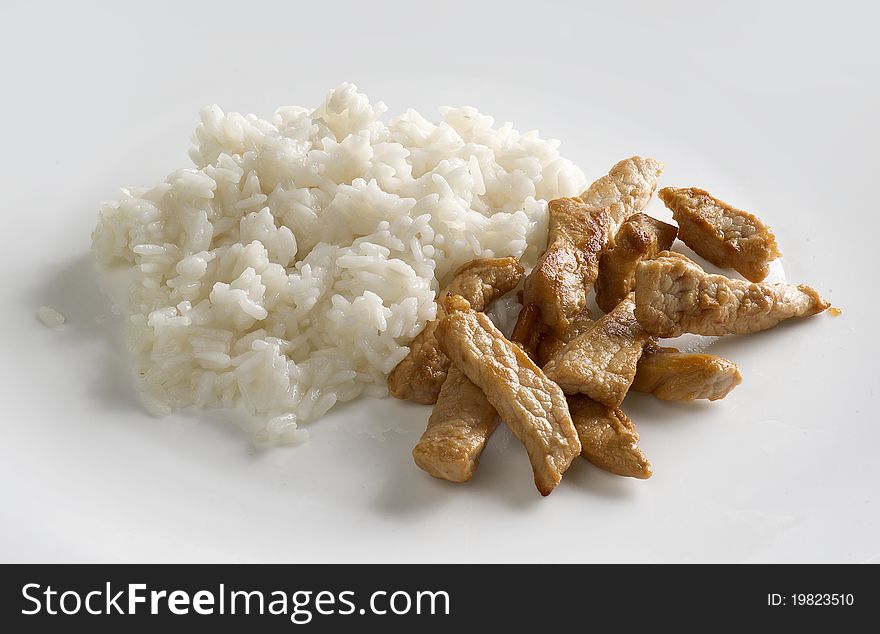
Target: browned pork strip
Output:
{"points": [[641, 237], [726, 236], [528, 329], [532, 406], [677, 376], [674, 296], [625, 190], [459, 426], [601, 363], [564, 273], [608, 438], [420, 375], [580, 230]]}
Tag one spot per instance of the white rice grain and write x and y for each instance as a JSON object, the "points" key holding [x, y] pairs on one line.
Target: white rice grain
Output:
{"points": [[50, 317]]}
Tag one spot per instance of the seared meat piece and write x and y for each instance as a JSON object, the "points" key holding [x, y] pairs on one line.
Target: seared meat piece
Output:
{"points": [[726, 236], [564, 273], [459, 426], [608, 437], [420, 375], [548, 348], [528, 329], [550, 344], [580, 324], [601, 363], [641, 237], [532, 406], [625, 190], [674, 295], [580, 230], [677, 376]]}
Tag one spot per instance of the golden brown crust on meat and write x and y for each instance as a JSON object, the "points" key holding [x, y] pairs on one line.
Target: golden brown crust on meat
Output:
{"points": [[641, 237], [671, 375], [674, 296], [567, 269], [580, 230], [726, 236], [608, 438], [528, 329], [459, 427], [527, 401], [601, 363]]}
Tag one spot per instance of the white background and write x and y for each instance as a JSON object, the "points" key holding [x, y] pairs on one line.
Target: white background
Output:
{"points": [[773, 106]]}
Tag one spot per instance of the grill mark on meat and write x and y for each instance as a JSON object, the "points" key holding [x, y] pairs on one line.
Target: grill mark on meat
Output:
{"points": [[526, 400], [726, 236], [674, 296], [420, 375]]}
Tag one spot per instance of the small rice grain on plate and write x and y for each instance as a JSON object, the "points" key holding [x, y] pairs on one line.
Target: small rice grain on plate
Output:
{"points": [[291, 265]]}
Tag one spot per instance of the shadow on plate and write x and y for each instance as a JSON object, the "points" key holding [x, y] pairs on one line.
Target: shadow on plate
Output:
{"points": [[74, 290]]}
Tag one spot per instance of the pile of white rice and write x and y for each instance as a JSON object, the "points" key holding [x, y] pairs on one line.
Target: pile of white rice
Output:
{"points": [[290, 267]]}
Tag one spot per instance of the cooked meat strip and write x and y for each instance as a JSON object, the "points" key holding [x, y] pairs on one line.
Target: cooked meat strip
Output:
{"points": [[420, 375], [674, 295], [626, 189], [549, 344], [601, 363], [608, 438], [463, 419], [528, 329], [677, 376], [564, 273], [548, 348], [726, 236], [532, 406], [641, 237], [459, 426], [579, 231], [580, 324]]}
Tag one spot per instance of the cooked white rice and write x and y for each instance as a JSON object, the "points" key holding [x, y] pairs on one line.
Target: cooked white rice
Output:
{"points": [[50, 317], [290, 267]]}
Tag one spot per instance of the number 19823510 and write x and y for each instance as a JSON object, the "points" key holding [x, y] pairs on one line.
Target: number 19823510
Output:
{"points": [[808, 599]]}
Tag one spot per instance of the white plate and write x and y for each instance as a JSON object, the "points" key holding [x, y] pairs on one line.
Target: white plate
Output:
{"points": [[772, 107]]}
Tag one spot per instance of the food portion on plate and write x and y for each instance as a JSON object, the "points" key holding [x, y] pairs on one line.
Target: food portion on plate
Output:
{"points": [[562, 371], [304, 260]]}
